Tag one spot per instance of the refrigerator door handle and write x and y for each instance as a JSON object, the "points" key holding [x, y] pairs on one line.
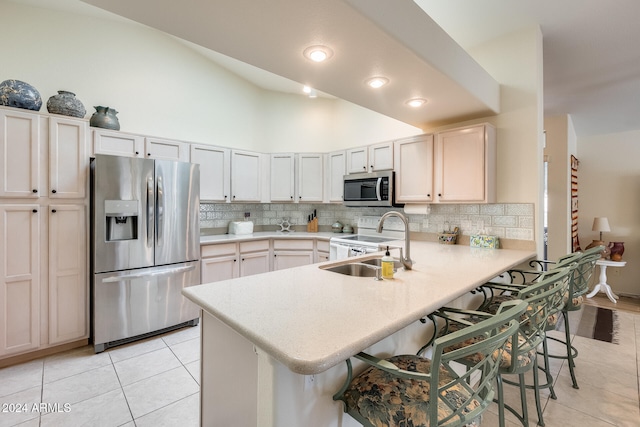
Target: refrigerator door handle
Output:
{"points": [[150, 212], [113, 279], [160, 195]]}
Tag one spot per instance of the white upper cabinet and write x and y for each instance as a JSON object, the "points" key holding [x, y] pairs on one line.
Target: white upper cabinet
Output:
{"points": [[414, 169], [215, 172], [372, 158], [166, 149], [465, 165], [380, 157], [282, 177], [335, 171], [117, 143], [68, 158], [246, 176], [310, 177], [357, 160], [19, 154]]}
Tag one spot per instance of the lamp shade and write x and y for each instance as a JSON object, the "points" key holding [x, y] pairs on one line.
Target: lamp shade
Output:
{"points": [[600, 224]]}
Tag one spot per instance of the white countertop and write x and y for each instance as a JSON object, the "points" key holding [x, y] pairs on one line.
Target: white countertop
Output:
{"points": [[310, 319], [259, 235]]}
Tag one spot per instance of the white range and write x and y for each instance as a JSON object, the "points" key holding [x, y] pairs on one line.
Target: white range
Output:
{"points": [[367, 240]]}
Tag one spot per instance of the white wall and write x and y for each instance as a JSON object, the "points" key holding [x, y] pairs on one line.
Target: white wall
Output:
{"points": [[609, 186], [162, 88]]}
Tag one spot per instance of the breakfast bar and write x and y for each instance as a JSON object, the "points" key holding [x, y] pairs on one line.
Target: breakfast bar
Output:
{"points": [[274, 345]]}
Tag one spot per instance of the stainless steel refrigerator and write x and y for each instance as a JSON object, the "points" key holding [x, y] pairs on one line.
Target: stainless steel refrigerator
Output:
{"points": [[145, 247]]}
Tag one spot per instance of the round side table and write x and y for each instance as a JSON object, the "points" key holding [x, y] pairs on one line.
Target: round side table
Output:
{"points": [[602, 285]]}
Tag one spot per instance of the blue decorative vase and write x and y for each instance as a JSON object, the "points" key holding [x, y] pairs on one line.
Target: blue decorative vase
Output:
{"points": [[67, 104], [18, 94], [105, 118]]}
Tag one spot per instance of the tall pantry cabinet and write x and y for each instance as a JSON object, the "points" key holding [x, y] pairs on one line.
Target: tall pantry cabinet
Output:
{"points": [[44, 279]]}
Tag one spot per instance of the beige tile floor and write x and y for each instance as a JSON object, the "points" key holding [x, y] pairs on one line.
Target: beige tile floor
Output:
{"points": [[155, 383]]}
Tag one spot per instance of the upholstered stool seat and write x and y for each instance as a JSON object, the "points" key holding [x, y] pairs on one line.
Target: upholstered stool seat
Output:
{"points": [[387, 400], [412, 391]]}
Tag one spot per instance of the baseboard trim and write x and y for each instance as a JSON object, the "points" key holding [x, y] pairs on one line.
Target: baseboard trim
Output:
{"points": [[26, 357]]}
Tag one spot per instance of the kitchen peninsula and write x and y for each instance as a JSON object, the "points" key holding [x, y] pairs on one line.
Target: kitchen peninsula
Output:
{"points": [[274, 345]]}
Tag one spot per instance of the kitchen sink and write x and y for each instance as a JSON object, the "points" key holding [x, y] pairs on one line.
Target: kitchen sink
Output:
{"points": [[367, 268], [378, 263], [354, 269]]}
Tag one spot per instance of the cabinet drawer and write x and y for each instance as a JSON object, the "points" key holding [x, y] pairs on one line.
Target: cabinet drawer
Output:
{"points": [[218, 250], [293, 244], [253, 246], [323, 246]]}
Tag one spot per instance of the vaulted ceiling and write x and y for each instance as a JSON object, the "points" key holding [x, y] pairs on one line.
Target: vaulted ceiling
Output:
{"points": [[591, 54]]}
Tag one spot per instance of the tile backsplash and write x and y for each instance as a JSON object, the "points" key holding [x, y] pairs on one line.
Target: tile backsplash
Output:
{"points": [[505, 220]]}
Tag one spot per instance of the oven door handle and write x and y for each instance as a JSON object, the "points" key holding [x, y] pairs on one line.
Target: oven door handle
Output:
{"points": [[378, 187]]}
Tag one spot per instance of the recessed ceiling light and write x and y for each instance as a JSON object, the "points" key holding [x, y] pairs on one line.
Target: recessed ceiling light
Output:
{"points": [[416, 102], [318, 53], [310, 91], [377, 82]]}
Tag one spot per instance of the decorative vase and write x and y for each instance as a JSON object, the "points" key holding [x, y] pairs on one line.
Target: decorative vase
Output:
{"points": [[67, 104], [105, 118], [16, 93], [605, 252], [617, 249]]}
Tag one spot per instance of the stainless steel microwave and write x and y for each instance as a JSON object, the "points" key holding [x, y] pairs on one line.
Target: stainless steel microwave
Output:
{"points": [[369, 189]]}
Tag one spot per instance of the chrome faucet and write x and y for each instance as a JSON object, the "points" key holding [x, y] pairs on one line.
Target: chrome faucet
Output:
{"points": [[406, 258]]}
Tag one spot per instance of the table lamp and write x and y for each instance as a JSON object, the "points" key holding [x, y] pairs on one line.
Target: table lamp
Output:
{"points": [[600, 224]]}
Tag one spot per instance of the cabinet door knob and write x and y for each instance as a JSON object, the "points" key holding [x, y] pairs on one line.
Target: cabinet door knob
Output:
{"points": [[149, 154], [234, 197], [225, 197], [137, 153], [54, 191], [242, 259], [371, 166], [34, 210], [439, 195], [364, 167], [34, 190], [291, 197], [235, 260], [53, 210]]}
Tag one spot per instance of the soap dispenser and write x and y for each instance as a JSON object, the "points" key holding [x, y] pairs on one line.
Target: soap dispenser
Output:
{"points": [[387, 265]]}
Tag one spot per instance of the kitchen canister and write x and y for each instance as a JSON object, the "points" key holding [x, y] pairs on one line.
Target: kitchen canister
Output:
{"points": [[105, 118], [66, 104], [18, 94]]}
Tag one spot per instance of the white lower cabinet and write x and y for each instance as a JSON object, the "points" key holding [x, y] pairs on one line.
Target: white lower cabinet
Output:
{"points": [[322, 250], [63, 311], [68, 277], [224, 261], [292, 253], [219, 262], [19, 278], [254, 257]]}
